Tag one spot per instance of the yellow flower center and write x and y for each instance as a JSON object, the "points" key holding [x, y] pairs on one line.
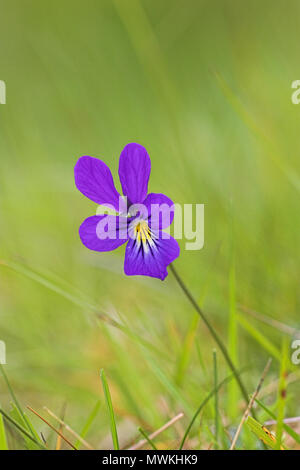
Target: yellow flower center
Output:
{"points": [[145, 238], [142, 231]]}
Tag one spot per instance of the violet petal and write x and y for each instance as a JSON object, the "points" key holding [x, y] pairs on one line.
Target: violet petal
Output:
{"points": [[160, 210], [152, 262], [104, 232], [134, 172], [93, 178]]}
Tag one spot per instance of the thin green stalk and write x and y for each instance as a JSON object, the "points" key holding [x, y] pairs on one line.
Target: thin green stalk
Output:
{"points": [[216, 398], [232, 338], [88, 424], [113, 427], [145, 435], [21, 429], [205, 401], [15, 400], [213, 333], [281, 401], [3, 440], [287, 428]]}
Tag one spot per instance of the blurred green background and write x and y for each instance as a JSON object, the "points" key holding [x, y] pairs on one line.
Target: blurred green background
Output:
{"points": [[205, 86]]}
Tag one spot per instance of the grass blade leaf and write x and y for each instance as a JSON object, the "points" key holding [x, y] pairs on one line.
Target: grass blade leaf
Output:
{"points": [[113, 426]]}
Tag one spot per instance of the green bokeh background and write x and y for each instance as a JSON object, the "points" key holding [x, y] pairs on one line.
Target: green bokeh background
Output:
{"points": [[205, 86]]}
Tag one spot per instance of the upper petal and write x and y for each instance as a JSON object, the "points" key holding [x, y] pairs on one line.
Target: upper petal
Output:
{"points": [[160, 210], [152, 262], [134, 172], [104, 232], [93, 178]]}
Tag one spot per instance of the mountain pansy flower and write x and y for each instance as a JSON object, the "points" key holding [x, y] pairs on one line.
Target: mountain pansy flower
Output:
{"points": [[140, 218]]}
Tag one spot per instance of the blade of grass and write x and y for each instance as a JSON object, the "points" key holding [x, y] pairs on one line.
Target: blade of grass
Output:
{"points": [[170, 423], [216, 398], [204, 402], [251, 402], [15, 414], [232, 336], [21, 429], [113, 427], [68, 428], [59, 439], [3, 440], [262, 433], [287, 428], [145, 435], [259, 337], [52, 427], [281, 393], [17, 404], [88, 423]]}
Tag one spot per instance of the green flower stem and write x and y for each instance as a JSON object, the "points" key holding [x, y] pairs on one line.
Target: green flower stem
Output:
{"points": [[212, 331]]}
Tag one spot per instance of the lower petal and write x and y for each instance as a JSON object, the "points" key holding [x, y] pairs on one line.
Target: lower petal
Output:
{"points": [[104, 232], [152, 262]]}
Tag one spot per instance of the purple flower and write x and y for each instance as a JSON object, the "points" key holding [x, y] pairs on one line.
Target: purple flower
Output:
{"points": [[141, 216]]}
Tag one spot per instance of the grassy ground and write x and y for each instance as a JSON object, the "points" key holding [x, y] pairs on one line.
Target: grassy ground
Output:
{"points": [[205, 86]]}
